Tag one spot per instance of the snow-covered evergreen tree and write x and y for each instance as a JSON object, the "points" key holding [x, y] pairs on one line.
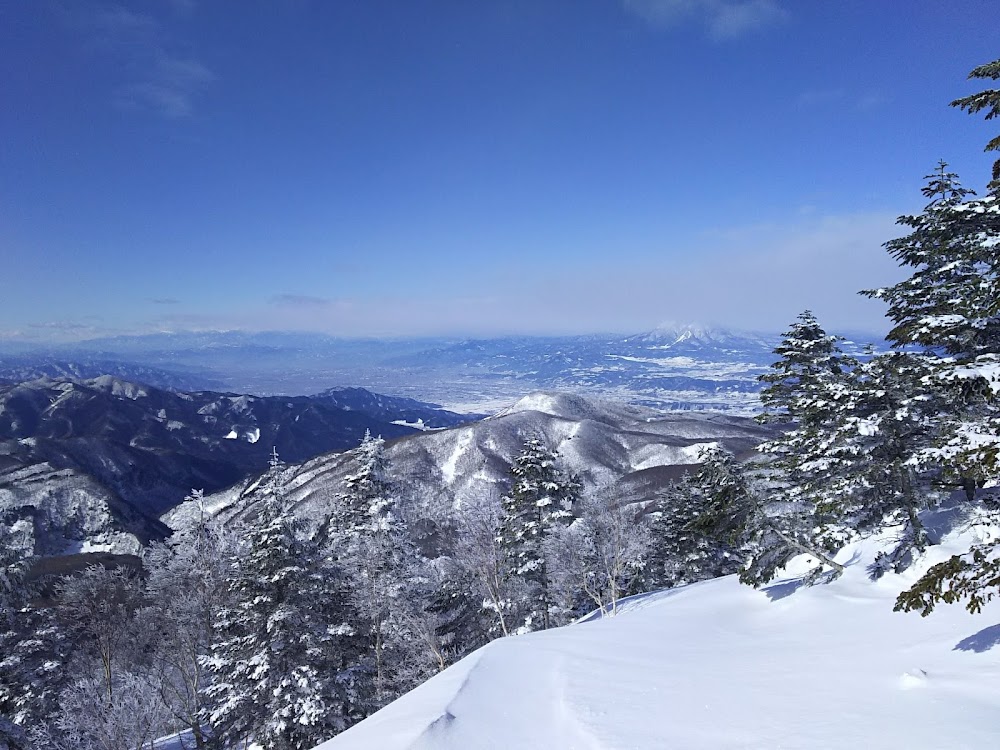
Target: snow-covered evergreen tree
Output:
{"points": [[809, 366], [35, 652], [738, 512], [988, 100], [972, 577], [679, 552], [806, 391], [13, 566], [389, 583], [540, 499], [283, 653], [950, 306]]}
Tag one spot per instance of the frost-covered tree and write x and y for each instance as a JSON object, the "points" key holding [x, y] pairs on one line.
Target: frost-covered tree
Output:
{"points": [[89, 720], [186, 585], [540, 500], [600, 556], [485, 560], [282, 660], [101, 605], [737, 512], [389, 584]]}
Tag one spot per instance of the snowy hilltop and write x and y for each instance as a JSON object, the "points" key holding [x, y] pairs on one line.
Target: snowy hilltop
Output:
{"points": [[720, 665]]}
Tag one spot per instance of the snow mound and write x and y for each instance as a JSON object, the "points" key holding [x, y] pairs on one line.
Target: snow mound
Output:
{"points": [[721, 665]]}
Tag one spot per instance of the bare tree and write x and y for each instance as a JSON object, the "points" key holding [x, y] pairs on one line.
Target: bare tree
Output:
{"points": [[101, 603], [480, 552], [601, 554], [89, 720], [186, 587]]}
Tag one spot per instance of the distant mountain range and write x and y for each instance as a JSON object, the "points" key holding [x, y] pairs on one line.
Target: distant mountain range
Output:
{"points": [[96, 461], [674, 366]]}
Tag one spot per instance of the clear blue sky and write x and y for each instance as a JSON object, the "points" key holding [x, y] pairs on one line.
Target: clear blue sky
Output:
{"points": [[410, 167]]}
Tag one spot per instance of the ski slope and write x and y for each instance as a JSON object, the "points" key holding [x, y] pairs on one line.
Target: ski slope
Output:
{"points": [[719, 665]]}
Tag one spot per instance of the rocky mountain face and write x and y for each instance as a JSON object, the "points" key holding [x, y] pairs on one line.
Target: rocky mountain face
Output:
{"points": [[84, 462], [619, 451]]}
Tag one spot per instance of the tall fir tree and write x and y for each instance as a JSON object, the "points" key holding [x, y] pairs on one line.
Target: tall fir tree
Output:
{"points": [[966, 326], [809, 368], [950, 307], [738, 511], [988, 100], [541, 497], [390, 586], [680, 552], [283, 658], [806, 393]]}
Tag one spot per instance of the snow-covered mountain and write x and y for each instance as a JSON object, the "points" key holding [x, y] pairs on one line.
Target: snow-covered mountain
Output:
{"points": [[723, 666], [20, 368], [617, 449], [85, 459]]}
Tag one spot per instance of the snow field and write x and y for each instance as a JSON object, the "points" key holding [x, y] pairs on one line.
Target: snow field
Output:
{"points": [[719, 665]]}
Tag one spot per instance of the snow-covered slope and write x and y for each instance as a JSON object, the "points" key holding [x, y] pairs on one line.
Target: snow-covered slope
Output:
{"points": [[718, 665]]}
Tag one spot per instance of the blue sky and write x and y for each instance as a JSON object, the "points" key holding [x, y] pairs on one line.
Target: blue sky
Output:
{"points": [[540, 166]]}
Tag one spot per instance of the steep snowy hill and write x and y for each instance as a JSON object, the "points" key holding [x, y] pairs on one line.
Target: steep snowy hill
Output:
{"points": [[719, 665], [621, 450]]}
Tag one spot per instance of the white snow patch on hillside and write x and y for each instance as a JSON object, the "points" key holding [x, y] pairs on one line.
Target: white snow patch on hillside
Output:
{"points": [[650, 456], [450, 466], [253, 435], [233, 435], [418, 425], [720, 665]]}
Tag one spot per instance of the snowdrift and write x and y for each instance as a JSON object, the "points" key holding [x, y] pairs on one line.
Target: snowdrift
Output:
{"points": [[719, 665]]}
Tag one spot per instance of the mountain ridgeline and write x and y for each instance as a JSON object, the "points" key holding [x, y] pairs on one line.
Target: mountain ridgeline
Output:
{"points": [[89, 460]]}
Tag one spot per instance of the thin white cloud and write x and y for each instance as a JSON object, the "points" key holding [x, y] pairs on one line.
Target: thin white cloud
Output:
{"points": [[299, 300], [723, 19], [171, 88], [839, 97], [156, 78]]}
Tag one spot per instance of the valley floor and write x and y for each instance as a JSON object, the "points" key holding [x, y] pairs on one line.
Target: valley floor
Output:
{"points": [[719, 665]]}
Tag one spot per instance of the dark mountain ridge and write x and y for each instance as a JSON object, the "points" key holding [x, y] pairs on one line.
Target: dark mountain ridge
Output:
{"points": [[135, 451]]}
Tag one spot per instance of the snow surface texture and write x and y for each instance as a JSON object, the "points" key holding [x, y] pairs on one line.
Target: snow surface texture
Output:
{"points": [[720, 665]]}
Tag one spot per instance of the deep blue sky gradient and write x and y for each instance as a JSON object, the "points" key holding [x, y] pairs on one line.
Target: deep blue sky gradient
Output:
{"points": [[377, 167]]}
